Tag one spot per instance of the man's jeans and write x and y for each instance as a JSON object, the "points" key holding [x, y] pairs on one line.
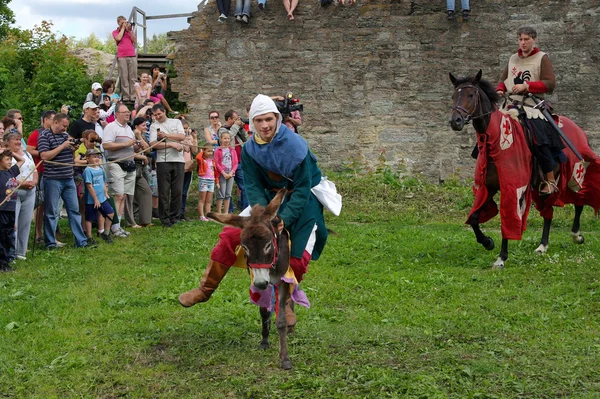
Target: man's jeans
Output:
{"points": [[242, 7], [239, 180], [65, 189], [464, 4], [187, 180]]}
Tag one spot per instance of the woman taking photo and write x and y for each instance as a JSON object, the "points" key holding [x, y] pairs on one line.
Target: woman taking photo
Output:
{"points": [[26, 193], [159, 86]]}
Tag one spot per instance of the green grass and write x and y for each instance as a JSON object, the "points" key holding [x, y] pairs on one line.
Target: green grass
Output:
{"points": [[404, 304]]}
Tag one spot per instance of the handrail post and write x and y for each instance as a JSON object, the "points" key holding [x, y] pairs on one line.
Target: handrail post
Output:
{"points": [[145, 34]]}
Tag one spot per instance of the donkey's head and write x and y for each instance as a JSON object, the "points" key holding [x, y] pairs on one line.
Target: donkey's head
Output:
{"points": [[259, 239]]}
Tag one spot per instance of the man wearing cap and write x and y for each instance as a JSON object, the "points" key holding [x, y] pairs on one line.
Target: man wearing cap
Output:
{"points": [[87, 122], [55, 146], [124, 35], [118, 144], [274, 158]]}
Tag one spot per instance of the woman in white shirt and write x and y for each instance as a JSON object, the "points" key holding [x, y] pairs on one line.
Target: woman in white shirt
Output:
{"points": [[26, 193]]}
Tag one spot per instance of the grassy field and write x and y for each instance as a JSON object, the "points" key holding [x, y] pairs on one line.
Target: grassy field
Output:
{"points": [[404, 304]]}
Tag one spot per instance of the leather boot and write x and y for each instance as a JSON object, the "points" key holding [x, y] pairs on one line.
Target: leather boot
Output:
{"points": [[213, 275]]}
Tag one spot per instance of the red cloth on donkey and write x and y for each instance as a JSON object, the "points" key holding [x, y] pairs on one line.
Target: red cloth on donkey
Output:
{"points": [[589, 181], [504, 143]]}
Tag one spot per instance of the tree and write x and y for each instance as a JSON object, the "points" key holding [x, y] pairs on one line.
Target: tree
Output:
{"points": [[37, 73], [7, 18]]}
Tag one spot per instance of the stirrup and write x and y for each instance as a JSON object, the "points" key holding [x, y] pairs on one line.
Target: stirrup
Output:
{"points": [[550, 185]]}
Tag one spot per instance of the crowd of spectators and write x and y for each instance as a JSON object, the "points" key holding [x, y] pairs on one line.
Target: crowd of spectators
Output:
{"points": [[106, 166]]}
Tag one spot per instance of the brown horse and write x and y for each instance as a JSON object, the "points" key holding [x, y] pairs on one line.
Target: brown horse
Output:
{"points": [[267, 255], [474, 100]]}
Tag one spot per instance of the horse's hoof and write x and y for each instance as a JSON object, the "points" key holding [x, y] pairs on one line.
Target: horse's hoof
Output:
{"points": [[489, 244], [577, 238], [286, 364], [498, 264], [541, 249]]}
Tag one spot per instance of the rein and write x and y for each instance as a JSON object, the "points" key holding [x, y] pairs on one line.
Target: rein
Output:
{"points": [[466, 115], [275, 255]]}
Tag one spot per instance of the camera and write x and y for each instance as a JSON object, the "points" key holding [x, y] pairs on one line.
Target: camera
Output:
{"points": [[133, 24], [245, 121], [75, 141], [288, 105], [68, 107]]}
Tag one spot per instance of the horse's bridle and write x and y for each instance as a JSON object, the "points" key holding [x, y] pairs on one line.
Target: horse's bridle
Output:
{"points": [[275, 254], [464, 113]]}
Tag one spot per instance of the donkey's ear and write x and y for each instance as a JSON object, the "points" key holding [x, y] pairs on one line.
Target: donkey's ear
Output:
{"points": [[452, 78], [229, 219], [271, 209], [477, 77]]}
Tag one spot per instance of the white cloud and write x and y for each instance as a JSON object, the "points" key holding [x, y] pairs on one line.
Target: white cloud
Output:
{"points": [[79, 18]]}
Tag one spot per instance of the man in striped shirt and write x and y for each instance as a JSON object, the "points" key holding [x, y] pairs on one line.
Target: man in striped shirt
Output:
{"points": [[56, 150]]}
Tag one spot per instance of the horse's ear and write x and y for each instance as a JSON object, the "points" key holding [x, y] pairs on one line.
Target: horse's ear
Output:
{"points": [[477, 77], [271, 209], [229, 219], [452, 78]]}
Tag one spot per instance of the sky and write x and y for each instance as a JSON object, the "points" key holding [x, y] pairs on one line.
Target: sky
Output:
{"points": [[79, 18]]}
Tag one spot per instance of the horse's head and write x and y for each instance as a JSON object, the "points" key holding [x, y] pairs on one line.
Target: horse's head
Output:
{"points": [[466, 99], [259, 239]]}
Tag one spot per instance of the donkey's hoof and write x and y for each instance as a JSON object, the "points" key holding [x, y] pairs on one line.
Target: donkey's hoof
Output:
{"points": [[286, 364], [541, 249], [488, 244], [498, 264], [290, 330], [264, 345]]}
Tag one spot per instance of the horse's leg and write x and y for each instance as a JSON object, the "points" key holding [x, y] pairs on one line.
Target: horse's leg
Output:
{"points": [[545, 237], [499, 264], [281, 323], [482, 239], [575, 233], [265, 315]]}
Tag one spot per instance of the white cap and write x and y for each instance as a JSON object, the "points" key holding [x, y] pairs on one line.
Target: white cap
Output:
{"points": [[96, 86], [90, 104]]}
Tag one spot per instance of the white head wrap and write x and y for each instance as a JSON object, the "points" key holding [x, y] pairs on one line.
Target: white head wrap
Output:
{"points": [[263, 105]]}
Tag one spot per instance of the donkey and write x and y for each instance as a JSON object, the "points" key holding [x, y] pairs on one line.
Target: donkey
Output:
{"points": [[267, 255]]}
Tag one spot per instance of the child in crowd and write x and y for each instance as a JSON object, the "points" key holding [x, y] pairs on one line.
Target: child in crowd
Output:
{"points": [[96, 197], [8, 199], [226, 163], [107, 110], [206, 180]]}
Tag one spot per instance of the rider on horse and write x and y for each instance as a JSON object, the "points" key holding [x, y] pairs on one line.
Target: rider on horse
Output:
{"points": [[530, 71]]}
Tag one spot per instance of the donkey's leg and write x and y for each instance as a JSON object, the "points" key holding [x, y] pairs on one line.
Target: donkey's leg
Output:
{"points": [[499, 264], [482, 239], [575, 233], [545, 236], [281, 323], [265, 315]]}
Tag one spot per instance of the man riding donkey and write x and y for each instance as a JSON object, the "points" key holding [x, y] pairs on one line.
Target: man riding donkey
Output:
{"points": [[274, 158], [530, 71]]}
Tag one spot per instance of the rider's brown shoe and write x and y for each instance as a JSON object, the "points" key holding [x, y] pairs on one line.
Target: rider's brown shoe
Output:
{"points": [[213, 275]]}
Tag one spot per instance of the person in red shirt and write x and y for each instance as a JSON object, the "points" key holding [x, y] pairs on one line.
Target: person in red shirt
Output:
{"points": [[32, 143]]}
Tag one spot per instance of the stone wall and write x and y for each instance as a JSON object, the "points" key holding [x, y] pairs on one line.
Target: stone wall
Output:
{"points": [[373, 78]]}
